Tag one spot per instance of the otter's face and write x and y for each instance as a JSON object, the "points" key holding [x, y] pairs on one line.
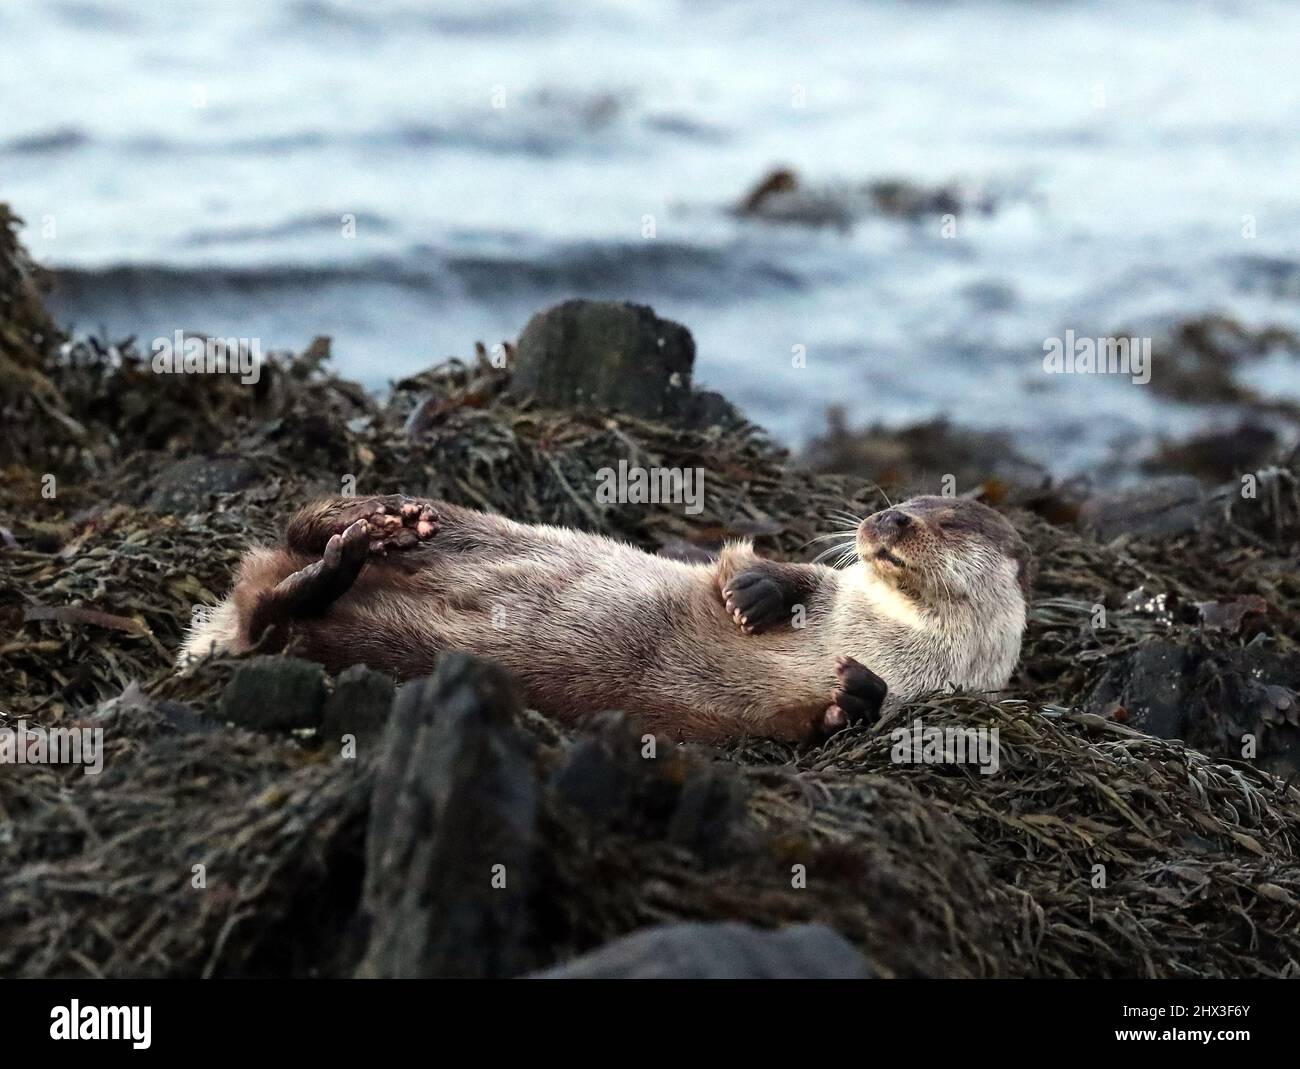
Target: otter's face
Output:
{"points": [[943, 548]]}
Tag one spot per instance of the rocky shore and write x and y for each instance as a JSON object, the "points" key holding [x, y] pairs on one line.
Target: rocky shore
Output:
{"points": [[259, 818]]}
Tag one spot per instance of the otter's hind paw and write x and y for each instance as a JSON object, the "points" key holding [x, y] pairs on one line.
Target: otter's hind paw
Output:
{"points": [[394, 522], [310, 591], [857, 698], [400, 524]]}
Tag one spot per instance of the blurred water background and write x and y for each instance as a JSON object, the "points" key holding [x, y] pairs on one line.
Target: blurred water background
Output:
{"points": [[188, 165]]}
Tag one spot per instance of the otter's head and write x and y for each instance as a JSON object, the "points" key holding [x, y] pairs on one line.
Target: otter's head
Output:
{"points": [[938, 549]]}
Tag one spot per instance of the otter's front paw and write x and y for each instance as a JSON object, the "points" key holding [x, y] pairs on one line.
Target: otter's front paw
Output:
{"points": [[756, 601], [857, 697]]}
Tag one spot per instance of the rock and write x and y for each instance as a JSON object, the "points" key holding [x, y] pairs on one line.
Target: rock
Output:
{"points": [[1241, 703], [1249, 691], [607, 355], [1157, 507], [188, 485], [359, 706], [450, 849], [1218, 456], [915, 458], [1151, 686], [593, 782], [907, 200], [778, 180], [1196, 360], [720, 951], [605, 778], [708, 408], [711, 812], [1231, 616], [781, 196], [1178, 504], [275, 694], [676, 796]]}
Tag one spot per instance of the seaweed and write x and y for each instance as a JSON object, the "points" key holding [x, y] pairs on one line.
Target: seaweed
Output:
{"points": [[1096, 850]]}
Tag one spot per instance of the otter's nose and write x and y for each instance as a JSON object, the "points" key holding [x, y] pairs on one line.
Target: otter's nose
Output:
{"points": [[891, 521]]}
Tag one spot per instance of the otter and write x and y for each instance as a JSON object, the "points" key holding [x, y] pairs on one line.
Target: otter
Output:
{"points": [[742, 646]]}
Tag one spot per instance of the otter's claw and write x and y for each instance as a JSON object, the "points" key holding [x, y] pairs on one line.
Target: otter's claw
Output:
{"points": [[755, 601], [857, 697]]}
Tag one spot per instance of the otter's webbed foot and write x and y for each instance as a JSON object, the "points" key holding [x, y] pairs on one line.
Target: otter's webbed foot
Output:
{"points": [[764, 597], [857, 697], [400, 524], [310, 591], [393, 522]]}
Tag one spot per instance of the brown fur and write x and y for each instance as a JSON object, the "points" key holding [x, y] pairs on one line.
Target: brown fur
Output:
{"points": [[588, 623]]}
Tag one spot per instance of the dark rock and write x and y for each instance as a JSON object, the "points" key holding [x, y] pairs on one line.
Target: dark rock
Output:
{"points": [[776, 181], [1251, 690], [188, 485], [606, 355], [184, 719], [781, 196], [695, 803], [915, 459], [607, 779], [275, 694], [1151, 686], [1218, 456], [708, 408], [1241, 703], [450, 850], [720, 951], [710, 813], [359, 706], [1196, 360], [1157, 507], [907, 200], [1231, 616], [593, 782]]}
